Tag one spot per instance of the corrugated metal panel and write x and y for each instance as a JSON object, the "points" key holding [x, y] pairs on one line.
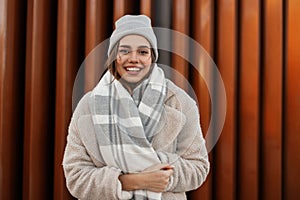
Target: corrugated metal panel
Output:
{"points": [[249, 100], [226, 59], [39, 99], [291, 136], [12, 69]]}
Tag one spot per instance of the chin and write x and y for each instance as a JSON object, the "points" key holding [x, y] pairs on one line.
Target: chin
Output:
{"points": [[132, 80]]}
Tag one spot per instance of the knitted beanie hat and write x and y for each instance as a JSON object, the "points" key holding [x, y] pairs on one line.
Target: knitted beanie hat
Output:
{"points": [[133, 25]]}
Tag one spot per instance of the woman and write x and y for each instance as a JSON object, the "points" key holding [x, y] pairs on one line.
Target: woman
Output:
{"points": [[136, 135]]}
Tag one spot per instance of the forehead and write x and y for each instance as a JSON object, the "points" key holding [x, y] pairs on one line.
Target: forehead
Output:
{"points": [[134, 41]]}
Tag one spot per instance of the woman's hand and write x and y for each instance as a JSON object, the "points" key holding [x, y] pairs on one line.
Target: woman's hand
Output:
{"points": [[155, 178]]}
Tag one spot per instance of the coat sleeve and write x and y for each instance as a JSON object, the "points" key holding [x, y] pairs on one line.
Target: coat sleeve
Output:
{"points": [[84, 179], [191, 164]]}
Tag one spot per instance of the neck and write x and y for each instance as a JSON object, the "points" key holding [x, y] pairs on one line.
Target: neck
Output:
{"points": [[129, 86]]}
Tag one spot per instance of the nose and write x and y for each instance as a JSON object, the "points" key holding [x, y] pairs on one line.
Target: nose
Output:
{"points": [[133, 57]]}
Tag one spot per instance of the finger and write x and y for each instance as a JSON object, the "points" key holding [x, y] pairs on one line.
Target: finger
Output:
{"points": [[168, 167], [169, 172], [164, 166]]}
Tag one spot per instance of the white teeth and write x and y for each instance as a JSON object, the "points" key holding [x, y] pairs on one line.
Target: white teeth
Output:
{"points": [[133, 69]]}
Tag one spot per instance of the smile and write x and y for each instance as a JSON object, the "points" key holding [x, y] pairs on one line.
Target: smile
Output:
{"points": [[133, 69]]}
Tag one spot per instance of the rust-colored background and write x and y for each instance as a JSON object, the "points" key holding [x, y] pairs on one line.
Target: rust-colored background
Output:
{"points": [[255, 44]]}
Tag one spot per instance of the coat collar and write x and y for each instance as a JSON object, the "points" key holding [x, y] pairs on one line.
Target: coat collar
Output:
{"points": [[170, 125]]}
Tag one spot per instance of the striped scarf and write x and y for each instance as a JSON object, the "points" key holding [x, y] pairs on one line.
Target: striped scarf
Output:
{"points": [[125, 123]]}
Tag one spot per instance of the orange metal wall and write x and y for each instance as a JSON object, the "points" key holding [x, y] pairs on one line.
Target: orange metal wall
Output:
{"points": [[255, 44]]}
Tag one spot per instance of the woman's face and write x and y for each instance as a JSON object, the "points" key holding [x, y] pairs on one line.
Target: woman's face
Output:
{"points": [[133, 58]]}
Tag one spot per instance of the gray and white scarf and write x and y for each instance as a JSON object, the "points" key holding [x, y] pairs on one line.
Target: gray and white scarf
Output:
{"points": [[125, 123]]}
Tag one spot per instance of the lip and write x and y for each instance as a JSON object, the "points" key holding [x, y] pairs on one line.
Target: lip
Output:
{"points": [[133, 69]]}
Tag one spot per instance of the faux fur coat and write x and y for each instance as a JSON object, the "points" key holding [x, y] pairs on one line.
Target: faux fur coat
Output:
{"points": [[178, 141]]}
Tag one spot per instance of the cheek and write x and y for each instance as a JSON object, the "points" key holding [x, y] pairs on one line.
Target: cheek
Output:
{"points": [[147, 63], [119, 64], [119, 67], [119, 61]]}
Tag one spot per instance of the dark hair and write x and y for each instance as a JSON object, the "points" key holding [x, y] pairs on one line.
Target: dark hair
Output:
{"points": [[111, 64], [111, 61]]}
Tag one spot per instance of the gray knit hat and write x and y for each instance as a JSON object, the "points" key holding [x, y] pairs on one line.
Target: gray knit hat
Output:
{"points": [[133, 25]]}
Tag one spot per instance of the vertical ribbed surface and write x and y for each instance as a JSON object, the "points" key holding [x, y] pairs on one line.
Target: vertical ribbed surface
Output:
{"points": [[255, 45]]}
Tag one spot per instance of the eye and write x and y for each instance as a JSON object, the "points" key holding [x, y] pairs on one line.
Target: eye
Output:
{"points": [[144, 51], [124, 51]]}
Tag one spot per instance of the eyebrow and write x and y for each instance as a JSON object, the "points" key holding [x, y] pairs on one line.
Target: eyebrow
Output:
{"points": [[129, 47]]}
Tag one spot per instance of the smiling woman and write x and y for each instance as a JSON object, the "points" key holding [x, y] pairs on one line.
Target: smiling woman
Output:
{"points": [[136, 135]]}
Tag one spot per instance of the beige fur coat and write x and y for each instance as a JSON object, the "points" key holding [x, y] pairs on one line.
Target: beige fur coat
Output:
{"points": [[178, 141]]}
